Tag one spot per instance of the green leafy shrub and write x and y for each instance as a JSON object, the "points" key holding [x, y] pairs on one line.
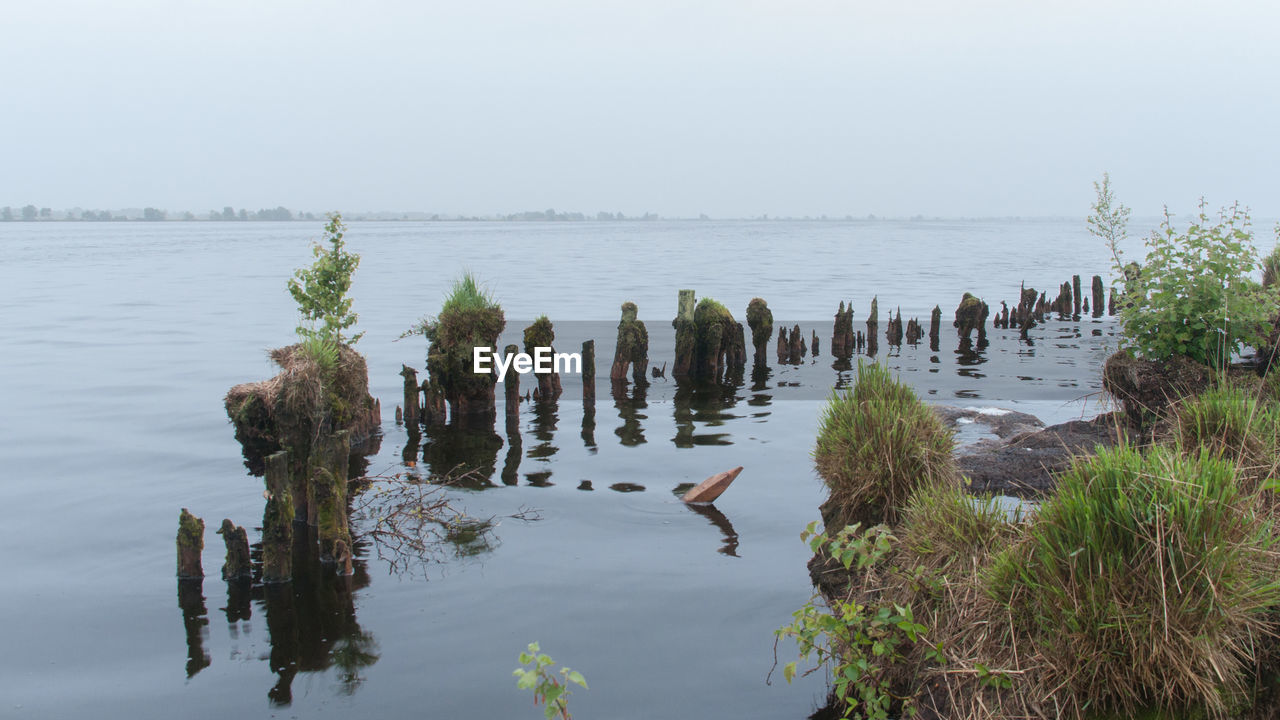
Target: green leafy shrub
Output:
{"points": [[1145, 581], [860, 643], [321, 290], [1233, 423], [1194, 296], [877, 443], [548, 690]]}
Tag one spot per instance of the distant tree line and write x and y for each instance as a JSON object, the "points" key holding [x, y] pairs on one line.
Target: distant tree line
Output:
{"points": [[30, 213]]}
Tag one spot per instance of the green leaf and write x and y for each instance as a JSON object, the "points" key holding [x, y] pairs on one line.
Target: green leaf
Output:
{"points": [[576, 678]]}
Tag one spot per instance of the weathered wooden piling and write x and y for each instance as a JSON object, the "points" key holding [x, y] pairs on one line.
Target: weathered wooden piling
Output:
{"points": [[1002, 317], [935, 322], [893, 332], [588, 373], [511, 387], [1077, 298], [760, 320], [460, 328], [1026, 310], [190, 546], [913, 331], [330, 483], [277, 522], [686, 334], [541, 334], [1111, 302], [843, 340], [1062, 304], [434, 407], [412, 411], [971, 315], [795, 346], [632, 348], [873, 326], [783, 347], [1097, 296], [237, 567], [813, 346]]}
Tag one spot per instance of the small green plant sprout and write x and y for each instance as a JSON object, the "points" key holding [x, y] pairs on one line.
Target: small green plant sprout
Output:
{"points": [[548, 689], [859, 643], [1110, 219], [321, 290]]}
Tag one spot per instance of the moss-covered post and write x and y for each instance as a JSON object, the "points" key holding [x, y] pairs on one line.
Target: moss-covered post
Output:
{"points": [[686, 335], [843, 340], [330, 484], [190, 545], [1098, 298], [541, 334], [412, 412], [760, 320], [970, 316], [469, 319], [632, 349], [277, 522], [719, 343], [1077, 297], [236, 568]]}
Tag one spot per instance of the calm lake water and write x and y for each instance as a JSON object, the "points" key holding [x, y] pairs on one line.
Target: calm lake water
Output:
{"points": [[121, 340]]}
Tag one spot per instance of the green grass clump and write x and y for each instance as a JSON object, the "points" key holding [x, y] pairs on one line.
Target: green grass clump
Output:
{"points": [[876, 445], [943, 523], [1271, 268], [1232, 423], [467, 295], [1144, 582]]}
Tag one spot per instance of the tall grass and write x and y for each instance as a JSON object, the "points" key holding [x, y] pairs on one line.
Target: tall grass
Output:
{"points": [[942, 523], [1232, 423], [877, 443], [467, 295], [1145, 581]]}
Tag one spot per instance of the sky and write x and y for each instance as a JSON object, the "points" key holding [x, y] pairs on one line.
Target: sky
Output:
{"points": [[732, 108]]}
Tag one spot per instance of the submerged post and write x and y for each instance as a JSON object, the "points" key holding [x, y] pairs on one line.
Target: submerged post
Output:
{"points": [[935, 327], [760, 320], [277, 522], [412, 412], [686, 335], [843, 340], [632, 349], [236, 568], [330, 483], [1075, 292], [190, 545], [588, 373], [1098, 299]]}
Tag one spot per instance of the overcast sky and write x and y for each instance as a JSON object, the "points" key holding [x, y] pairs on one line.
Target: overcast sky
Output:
{"points": [[724, 107]]}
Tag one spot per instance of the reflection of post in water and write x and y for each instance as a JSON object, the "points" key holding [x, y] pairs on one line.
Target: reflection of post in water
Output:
{"points": [[760, 375], [467, 443], [706, 402], [545, 417], [968, 354], [589, 395], [195, 620], [631, 432], [717, 518], [312, 622]]}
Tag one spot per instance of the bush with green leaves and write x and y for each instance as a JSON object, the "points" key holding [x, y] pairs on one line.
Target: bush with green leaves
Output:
{"points": [[860, 643], [321, 289], [1195, 294], [1146, 580], [876, 444], [548, 690]]}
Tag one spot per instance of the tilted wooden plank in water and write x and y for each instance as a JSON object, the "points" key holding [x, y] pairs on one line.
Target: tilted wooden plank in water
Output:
{"points": [[711, 488]]}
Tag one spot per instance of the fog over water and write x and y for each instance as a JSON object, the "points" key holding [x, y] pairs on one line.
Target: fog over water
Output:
{"points": [[733, 109]]}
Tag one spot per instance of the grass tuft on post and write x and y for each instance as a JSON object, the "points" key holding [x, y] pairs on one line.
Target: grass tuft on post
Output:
{"points": [[876, 445]]}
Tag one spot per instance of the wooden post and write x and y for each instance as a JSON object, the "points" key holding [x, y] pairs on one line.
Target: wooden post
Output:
{"points": [[277, 522], [330, 483], [1075, 293], [760, 320], [588, 373], [190, 545], [236, 568], [686, 335], [1098, 299], [412, 411]]}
